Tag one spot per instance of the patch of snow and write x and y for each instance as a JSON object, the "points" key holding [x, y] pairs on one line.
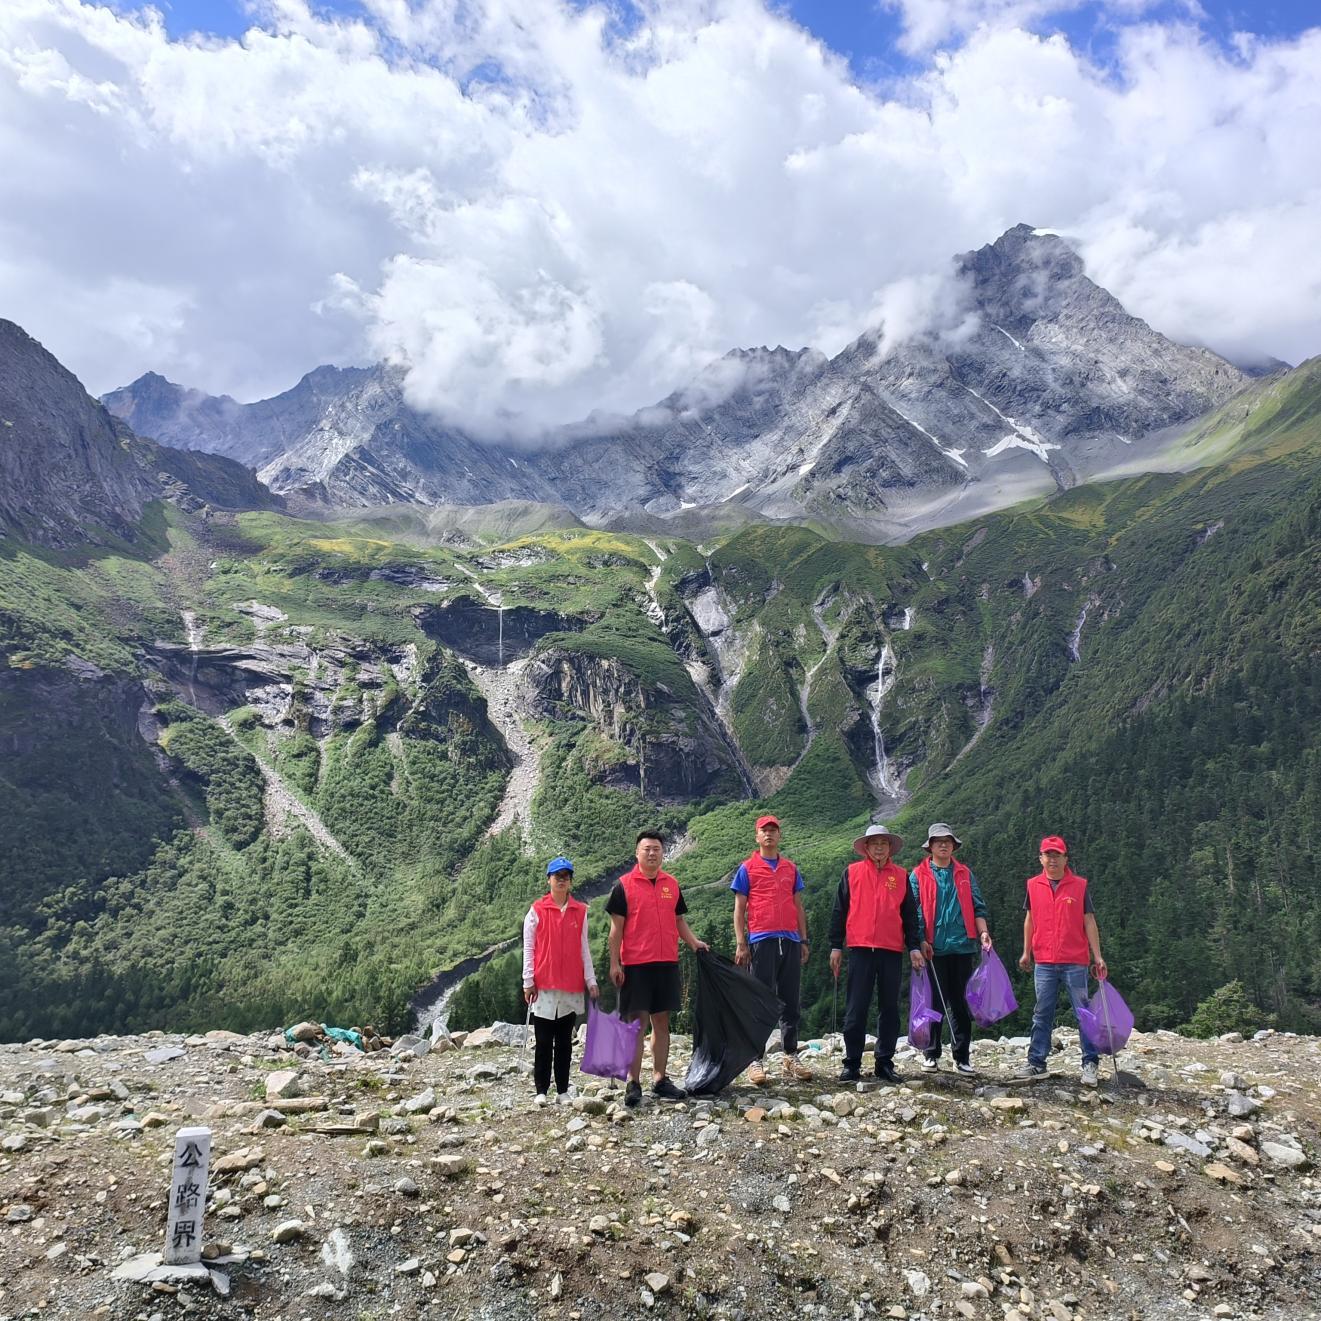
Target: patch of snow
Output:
{"points": [[1023, 436], [955, 454], [1009, 337], [1016, 442]]}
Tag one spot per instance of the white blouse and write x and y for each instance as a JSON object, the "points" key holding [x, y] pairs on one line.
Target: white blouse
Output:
{"points": [[554, 1004]]}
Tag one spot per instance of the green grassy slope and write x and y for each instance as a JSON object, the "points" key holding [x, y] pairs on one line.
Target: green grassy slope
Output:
{"points": [[1178, 751]]}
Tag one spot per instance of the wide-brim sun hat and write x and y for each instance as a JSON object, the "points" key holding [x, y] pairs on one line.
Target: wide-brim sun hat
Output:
{"points": [[939, 830], [877, 831]]}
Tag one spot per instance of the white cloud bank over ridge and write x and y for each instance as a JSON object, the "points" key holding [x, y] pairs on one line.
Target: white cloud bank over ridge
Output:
{"points": [[540, 213]]}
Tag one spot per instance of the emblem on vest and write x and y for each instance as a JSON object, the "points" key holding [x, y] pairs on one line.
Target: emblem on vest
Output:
{"points": [[665, 892]]}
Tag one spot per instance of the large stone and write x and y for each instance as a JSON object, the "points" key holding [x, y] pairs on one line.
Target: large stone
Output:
{"points": [[288, 1231], [282, 1084], [423, 1103], [1289, 1158], [1241, 1151], [163, 1054], [1182, 1142]]}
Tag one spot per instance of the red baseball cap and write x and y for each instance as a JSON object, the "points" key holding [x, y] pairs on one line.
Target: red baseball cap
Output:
{"points": [[767, 821], [1054, 844]]}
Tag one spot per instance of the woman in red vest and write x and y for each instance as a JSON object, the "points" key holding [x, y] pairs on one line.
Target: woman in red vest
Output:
{"points": [[951, 917], [557, 970], [1059, 932], [876, 919]]}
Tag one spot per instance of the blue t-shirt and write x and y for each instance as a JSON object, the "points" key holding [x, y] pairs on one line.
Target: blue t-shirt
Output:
{"points": [[742, 884]]}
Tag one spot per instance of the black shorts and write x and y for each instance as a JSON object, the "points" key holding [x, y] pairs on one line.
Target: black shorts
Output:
{"points": [[649, 988]]}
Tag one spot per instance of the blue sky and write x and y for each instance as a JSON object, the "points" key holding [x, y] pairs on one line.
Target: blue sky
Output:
{"points": [[867, 34]]}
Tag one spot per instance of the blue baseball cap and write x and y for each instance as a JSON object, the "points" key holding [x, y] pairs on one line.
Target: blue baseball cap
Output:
{"points": [[558, 864]]}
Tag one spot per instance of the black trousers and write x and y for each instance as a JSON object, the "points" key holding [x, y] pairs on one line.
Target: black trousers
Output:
{"points": [[554, 1038], [778, 965], [952, 973], [872, 972]]}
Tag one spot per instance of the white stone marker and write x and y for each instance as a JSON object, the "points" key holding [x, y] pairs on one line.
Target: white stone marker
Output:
{"points": [[188, 1186]]}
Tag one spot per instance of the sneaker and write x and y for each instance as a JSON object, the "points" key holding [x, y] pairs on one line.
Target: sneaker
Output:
{"points": [[542, 1099], [796, 1071], [965, 1068], [667, 1091], [1030, 1070], [886, 1073], [757, 1074], [633, 1093], [1089, 1074], [565, 1098], [929, 1065], [849, 1073]]}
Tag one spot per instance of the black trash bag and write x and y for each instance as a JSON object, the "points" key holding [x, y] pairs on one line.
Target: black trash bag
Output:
{"points": [[732, 1018]]}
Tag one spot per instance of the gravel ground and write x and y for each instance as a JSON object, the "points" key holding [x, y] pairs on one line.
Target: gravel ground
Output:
{"points": [[432, 1187]]}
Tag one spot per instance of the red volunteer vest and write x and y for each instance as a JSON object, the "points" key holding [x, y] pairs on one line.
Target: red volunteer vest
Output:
{"points": [[1058, 934], [875, 896], [557, 955], [771, 905], [651, 930], [926, 896]]}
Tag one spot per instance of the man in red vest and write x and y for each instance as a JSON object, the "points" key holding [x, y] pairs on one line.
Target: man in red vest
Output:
{"points": [[875, 917], [951, 918], [770, 935], [646, 924], [1059, 932]]}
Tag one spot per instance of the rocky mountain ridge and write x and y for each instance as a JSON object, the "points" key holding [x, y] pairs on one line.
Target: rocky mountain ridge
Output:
{"points": [[422, 1180], [71, 473], [1034, 377]]}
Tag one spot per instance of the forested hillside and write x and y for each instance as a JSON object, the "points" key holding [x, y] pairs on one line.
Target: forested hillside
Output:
{"points": [[253, 764]]}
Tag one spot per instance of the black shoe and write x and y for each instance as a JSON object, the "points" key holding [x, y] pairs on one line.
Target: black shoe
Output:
{"points": [[849, 1073], [633, 1093], [886, 1073], [667, 1091]]}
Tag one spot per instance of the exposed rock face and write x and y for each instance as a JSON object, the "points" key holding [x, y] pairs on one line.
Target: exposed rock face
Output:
{"points": [[670, 748], [63, 468], [1039, 377], [318, 690], [250, 433], [487, 634], [70, 473]]}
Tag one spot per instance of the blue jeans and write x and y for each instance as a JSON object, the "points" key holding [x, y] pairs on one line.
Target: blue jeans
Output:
{"points": [[1049, 977]]}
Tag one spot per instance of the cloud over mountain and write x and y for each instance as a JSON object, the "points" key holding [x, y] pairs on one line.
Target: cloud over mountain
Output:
{"points": [[542, 210]]}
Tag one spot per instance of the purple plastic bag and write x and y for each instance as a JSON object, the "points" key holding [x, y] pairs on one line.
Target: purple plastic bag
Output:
{"points": [[610, 1043], [1106, 1020], [922, 1017], [990, 992]]}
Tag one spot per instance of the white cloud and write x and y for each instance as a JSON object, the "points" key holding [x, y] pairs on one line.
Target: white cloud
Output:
{"points": [[540, 215]]}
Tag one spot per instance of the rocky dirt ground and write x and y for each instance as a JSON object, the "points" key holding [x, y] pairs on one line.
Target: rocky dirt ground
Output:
{"points": [[361, 1187]]}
